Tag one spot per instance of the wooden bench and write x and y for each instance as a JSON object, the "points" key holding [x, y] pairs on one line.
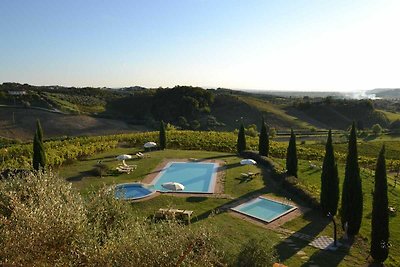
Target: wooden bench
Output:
{"points": [[174, 214]]}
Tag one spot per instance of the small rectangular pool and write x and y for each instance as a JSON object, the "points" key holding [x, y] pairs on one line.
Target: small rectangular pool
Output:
{"points": [[264, 209], [197, 177]]}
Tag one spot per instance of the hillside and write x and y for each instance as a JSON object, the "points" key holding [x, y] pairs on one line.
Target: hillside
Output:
{"points": [[188, 107], [229, 109], [340, 113], [19, 123]]}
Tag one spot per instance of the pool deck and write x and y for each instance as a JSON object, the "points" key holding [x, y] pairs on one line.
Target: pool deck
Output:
{"points": [[219, 183]]}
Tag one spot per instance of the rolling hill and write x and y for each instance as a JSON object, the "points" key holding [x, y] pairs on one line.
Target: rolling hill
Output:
{"points": [[19, 123], [87, 111]]}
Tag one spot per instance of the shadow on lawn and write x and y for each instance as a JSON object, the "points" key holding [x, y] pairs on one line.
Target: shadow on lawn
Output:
{"points": [[79, 176], [292, 244], [218, 157], [330, 258], [196, 199]]}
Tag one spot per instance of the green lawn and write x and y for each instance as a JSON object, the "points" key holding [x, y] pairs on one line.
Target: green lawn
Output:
{"points": [[233, 232]]}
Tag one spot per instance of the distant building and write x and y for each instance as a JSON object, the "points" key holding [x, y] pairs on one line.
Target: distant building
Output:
{"points": [[15, 92]]}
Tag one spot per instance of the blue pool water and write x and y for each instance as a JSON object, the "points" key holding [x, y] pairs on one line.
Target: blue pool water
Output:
{"points": [[264, 209], [132, 191], [195, 176]]}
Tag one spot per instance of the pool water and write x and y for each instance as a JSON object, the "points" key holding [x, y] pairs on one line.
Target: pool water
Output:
{"points": [[264, 209], [132, 191], [197, 177]]}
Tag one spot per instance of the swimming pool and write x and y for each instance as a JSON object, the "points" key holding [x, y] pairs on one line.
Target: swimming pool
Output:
{"points": [[264, 209], [133, 191], [197, 177]]}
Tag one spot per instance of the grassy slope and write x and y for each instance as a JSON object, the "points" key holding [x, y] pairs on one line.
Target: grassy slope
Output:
{"points": [[231, 109], [311, 180], [270, 109], [391, 115]]}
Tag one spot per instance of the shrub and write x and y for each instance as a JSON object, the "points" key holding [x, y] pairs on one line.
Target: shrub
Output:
{"points": [[272, 132], [251, 130], [100, 169], [257, 253], [47, 223], [377, 129]]}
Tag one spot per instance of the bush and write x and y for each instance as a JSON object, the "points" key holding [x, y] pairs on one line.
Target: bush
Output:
{"points": [[272, 132], [257, 253], [251, 130], [100, 169], [47, 223], [377, 129]]}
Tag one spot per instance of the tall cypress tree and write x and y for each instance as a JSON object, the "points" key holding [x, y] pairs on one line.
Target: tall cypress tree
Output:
{"points": [[352, 198], [380, 216], [291, 156], [39, 130], [39, 154], [241, 141], [263, 142], [329, 197], [162, 137]]}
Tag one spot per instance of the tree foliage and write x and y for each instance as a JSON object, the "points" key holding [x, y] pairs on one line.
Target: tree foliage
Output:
{"points": [[263, 142], [39, 130], [241, 140], [380, 216], [291, 156], [329, 197], [352, 196], [376, 129], [39, 153]]}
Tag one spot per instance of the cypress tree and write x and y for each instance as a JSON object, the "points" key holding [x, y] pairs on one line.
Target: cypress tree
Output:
{"points": [[291, 156], [329, 197], [263, 142], [162, 137], [241, 141], [380, 216], [39, 154], [39, 130], [352, 198]]}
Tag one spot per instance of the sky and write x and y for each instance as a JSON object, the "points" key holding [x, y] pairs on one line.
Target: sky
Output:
{"points": [[335, 45]]}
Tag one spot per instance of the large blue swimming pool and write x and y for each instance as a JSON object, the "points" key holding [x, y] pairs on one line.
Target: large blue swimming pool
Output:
{"points": [[264, 209], [197, 177], [133, 191]]}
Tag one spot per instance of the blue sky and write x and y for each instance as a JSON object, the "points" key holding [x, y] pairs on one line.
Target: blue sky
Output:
{"points": [[287, 45]]}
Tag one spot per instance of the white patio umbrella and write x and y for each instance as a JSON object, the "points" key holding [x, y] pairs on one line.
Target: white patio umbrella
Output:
{"points": [[248, 162], [150, 145], [173, 186], [123, 157]]}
